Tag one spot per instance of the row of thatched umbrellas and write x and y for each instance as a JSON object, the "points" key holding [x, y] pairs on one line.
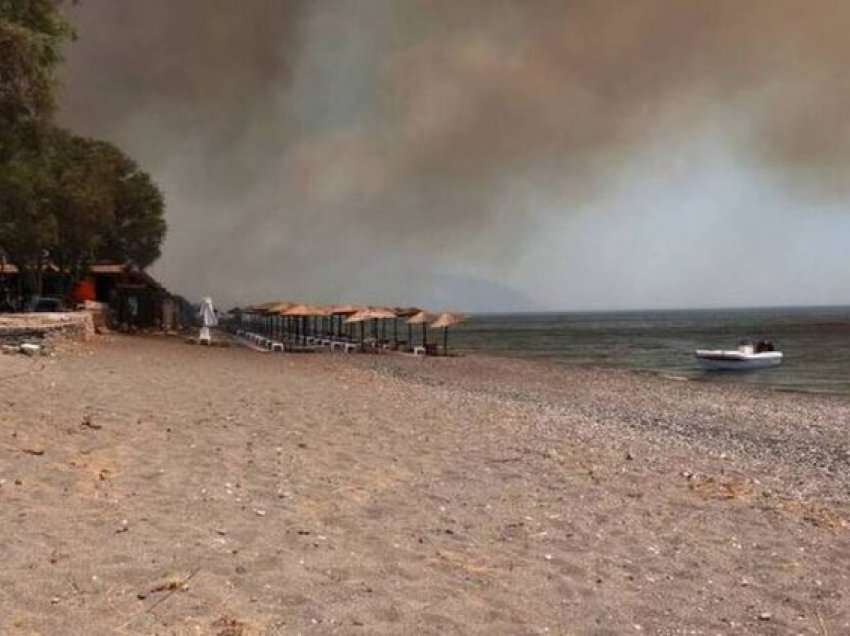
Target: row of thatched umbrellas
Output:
{"points": [[294, 313]]}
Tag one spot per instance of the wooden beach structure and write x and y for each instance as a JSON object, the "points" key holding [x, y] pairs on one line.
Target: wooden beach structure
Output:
{"points": [[303, 312], [423, 318], [404, 313], [132, 297], [375, 314], [289, 326], [444, 321]]}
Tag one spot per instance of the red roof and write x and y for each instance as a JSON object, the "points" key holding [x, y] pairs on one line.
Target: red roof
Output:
{"points": [[108, 268]]}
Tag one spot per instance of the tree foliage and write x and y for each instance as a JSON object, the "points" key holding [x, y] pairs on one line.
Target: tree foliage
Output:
{"points": [[106, 207], [32, 33], [138, 227], [65, 199], [28, 228], [77, 200]]}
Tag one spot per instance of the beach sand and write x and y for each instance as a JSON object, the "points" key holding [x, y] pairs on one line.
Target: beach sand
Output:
{"points": [[153, 487]]}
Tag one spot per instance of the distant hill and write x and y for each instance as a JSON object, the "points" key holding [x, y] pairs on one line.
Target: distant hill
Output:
{"points": [[474, 295], [441, 292]]}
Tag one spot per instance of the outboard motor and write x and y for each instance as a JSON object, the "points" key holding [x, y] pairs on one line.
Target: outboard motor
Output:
{"points": [[764, 346]]}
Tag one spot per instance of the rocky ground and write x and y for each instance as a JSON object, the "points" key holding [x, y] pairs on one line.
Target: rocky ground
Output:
{"points": [[148, 486]]}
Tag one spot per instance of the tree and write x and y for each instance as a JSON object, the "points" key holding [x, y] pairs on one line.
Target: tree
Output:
{"points": [[139, 225], [106, 207], [84, 176], [28, 228], [74, 201], [64, 199], [32, 33]]}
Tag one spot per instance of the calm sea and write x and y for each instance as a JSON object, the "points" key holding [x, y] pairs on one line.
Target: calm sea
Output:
{"points": [[815, 341]]}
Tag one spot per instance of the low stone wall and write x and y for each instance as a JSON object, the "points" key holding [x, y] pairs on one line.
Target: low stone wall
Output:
{"points": [[17, 328]]}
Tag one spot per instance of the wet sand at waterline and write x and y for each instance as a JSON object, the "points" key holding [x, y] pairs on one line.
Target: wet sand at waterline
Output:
{"points": [[153, 487]]}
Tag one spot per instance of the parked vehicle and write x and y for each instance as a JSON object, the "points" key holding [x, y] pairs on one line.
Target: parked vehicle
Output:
{"points": [[40, 304]]}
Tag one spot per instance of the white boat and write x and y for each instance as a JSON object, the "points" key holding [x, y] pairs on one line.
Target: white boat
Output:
{"points": [[746, 357]]}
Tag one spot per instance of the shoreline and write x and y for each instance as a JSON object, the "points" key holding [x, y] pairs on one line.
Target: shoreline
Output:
{"points": [[390, 494], [660, 373]]}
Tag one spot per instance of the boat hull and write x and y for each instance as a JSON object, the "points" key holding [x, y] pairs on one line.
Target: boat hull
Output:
{"points": [[737, 361]]}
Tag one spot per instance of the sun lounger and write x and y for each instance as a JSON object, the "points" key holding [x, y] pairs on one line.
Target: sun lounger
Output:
{"points": [[429, 349]]}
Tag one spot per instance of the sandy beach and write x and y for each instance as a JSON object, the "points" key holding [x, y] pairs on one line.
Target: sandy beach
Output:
{"points": [[152, 487]]}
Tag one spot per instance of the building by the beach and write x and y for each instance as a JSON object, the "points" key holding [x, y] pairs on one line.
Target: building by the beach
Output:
{"points": [[133, 298]]}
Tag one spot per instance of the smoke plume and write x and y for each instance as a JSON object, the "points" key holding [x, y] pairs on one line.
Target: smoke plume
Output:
{"points": [[345, 150]]}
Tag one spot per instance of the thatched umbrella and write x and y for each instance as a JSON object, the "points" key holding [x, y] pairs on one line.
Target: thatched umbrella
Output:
{"points": [[369, 313], [446, 320], [275, 311], [254, 311], [304, 311], [406, 312], [236, 315], [266, 311], [357, 317], [259, 308], [344, 311], [422, 318], [383, 314], [278, 307]]}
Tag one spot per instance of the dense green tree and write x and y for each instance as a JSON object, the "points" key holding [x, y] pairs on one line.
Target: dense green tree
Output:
{"points": [[64, 199], [28, 228], [106, 207], [75, 201], [138, 226], [83, 184], [32, 33]]}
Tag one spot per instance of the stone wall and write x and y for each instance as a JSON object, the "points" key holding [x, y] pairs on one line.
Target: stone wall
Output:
{"points": [[16, 328]]}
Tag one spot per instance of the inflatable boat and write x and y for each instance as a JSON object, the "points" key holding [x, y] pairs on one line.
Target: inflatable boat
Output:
{"points": [[746, 357]]}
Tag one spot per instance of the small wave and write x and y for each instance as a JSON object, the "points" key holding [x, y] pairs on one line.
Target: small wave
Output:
{"points": [[675, 378]]}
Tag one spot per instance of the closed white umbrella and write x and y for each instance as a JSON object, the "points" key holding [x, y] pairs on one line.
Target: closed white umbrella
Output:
{"points": [[208, 319]]}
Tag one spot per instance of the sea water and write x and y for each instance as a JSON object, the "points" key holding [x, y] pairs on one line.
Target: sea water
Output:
{"points": [[815, 341]]}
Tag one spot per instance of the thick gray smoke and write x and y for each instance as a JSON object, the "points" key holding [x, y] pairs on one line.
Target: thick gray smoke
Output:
{"points": [[366, 149]]}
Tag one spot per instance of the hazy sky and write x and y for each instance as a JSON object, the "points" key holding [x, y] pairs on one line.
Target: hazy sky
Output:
{"points": [[483, 154]]}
